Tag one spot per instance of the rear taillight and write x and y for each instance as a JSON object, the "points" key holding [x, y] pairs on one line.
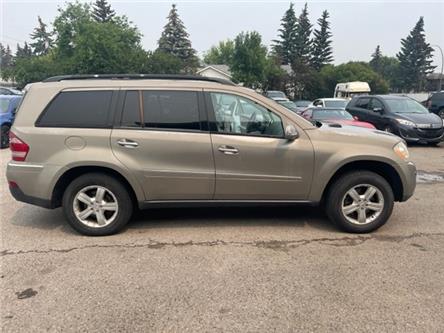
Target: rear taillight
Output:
{"points": [[19, 148]]}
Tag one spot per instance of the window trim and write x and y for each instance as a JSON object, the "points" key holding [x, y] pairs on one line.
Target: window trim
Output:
{"points": [[111, 110], [212, 116], [203, 121]]}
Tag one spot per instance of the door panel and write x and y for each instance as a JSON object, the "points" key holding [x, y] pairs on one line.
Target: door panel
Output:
{"points": [[170, 165], [263, 168]]}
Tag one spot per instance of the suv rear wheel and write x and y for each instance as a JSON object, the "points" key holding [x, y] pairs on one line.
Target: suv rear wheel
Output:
{"points": [[360, 201], [97, 205]]}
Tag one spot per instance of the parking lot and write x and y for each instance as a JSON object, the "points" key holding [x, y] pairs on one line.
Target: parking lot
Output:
{"points": [[230, 270]]}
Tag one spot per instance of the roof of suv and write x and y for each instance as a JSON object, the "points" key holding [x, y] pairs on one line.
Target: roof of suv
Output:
{"points": [[136, 77], [137, 80]]}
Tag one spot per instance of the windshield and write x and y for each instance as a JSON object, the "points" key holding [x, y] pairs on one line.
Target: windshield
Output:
{"points": [[4, 105], [405, 105], [302, 103], [276, 94], [331, 114], [335, 104]]}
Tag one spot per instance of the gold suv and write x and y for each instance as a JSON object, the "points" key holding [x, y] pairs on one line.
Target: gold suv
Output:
{"points": [[102, 145]]}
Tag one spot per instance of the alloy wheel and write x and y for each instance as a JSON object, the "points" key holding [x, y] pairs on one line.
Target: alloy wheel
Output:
{"points": [[95, 206], [362, 204]]}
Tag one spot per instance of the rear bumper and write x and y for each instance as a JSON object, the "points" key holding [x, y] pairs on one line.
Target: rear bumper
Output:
{"points": [[18, 195], [31, 183], [419, 135]]}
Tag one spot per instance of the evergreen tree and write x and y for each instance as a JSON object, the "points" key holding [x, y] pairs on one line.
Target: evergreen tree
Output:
{"points": [[375, 62], [102, 11], [415, 59], [23, 52], [42, 39], [303, 42], [322, 50], [284, 47], [175, 41], [6, 56], [6, 61]]}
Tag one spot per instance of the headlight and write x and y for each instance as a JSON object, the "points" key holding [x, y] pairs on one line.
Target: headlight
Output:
{"points": [[406, 122], [401, 150]]}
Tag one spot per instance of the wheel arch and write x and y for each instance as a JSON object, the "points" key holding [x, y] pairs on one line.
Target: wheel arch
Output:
{"points": [[385, 170], [72, 173]]}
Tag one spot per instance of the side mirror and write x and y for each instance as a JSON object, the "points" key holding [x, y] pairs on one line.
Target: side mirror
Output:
{"points": [[291, 133], [355, 118], [378, 110]]}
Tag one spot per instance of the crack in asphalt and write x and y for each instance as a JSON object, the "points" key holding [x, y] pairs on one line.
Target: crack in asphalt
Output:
{"points": [[278, 245]]}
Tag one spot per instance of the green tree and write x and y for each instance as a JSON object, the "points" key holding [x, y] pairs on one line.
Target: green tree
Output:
{"points": [[275, 78], [85, 46], [284, 47], [222, 54], [375, 61], [6, 61], [159, 62], [33, 69], [389, 70], [42, 39], [352, 71], [249, 60], [415, 59], [110, 47], [175, 41], [70, 23], [23, 52], [102, 11], [321, 43], [302, 51]]}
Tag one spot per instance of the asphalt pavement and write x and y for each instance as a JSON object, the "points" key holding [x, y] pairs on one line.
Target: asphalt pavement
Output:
{"points": [[227, 270]]}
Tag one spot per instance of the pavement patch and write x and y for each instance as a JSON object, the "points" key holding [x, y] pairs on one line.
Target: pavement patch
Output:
{"points": [[425, 177]]}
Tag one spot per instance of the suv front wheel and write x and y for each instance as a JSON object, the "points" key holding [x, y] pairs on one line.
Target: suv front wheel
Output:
{"points": [[97, 205], [360, 201]]}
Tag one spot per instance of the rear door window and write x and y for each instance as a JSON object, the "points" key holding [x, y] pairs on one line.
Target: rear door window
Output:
{"points": [[131, 115], [83, 109], [171, 110]]}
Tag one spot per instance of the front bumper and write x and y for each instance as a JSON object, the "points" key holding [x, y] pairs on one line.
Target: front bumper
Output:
{"points": [[421, 135], [409, 180]]}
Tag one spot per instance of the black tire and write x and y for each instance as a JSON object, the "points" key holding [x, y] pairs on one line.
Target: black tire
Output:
{"points": [[4, 143], [337, 194], [114, 188]]}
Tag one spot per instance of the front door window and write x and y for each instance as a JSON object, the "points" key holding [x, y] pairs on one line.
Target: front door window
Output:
{"points": [[241, 116]]}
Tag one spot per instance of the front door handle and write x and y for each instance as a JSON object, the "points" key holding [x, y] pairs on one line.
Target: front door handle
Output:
{"points": [[228, 150], [127, 143]]}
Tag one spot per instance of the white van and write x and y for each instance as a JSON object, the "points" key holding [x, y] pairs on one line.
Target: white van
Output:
{"points": [[350, 89]]}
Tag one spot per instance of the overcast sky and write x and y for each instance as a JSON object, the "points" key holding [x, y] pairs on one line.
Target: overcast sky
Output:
{"points": [[357, 26]]}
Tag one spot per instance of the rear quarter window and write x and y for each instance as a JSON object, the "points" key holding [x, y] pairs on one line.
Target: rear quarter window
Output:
{"points": [[85, 109]]}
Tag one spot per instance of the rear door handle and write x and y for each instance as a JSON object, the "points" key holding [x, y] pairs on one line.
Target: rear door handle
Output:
{"points": [[228, 150], [127, 143]]}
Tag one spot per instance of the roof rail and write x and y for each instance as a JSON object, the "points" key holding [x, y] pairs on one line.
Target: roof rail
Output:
{"points": [[137, 77]]}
